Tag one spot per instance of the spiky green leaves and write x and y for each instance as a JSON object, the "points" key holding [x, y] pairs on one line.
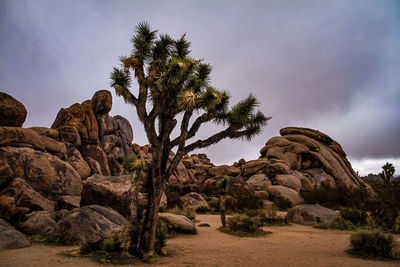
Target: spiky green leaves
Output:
{"points": [[143, 40], [120, 77], [242, 111], [187, 100], [181, 47], [223, 185]]}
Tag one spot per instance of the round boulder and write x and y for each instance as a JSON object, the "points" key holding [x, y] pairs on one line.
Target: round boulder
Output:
{"points": [[102, 102], [311, 215], [12, 112]]}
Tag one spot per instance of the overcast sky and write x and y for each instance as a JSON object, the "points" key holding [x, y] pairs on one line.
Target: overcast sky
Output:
{"points": [[327, 65]]}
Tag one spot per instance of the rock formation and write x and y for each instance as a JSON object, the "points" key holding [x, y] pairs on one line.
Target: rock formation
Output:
{"points": [[79, 162]]}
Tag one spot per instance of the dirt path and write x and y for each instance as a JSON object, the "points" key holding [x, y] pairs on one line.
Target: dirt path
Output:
{"points": [[293, 245]]}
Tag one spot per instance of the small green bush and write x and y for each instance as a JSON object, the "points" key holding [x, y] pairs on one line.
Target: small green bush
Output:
{"points": [[214, 204], [244, 223], [372, 244], [162, 234], [109, 244], [355, 216], [341, 223]]}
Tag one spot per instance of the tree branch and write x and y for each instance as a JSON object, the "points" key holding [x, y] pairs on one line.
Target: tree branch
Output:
{"points": [[126, 94]]}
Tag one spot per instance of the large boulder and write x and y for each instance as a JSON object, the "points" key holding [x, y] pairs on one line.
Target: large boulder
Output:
{"points": [[193, 199], [38, 223], [52, 133], [25, 196], [290, 181], [181, 223], [11, 238], [75, 159], [277, 191], [89, 224], [224, 170], [12, 112], [111, 191], [82, 117], [102, 102], [259, 181], [254, 166], [311, 215], [45, 173]]}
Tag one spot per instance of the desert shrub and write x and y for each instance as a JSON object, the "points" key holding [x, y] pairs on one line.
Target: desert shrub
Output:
{"points": [[203, 209], [162, 234], [372, 244], [109, 244], [341, 223], [244, 223], [355, 216], [214, 204], [281, 202], [334, 197], [266, 216]]}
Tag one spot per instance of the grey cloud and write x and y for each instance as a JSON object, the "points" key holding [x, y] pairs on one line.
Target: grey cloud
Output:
{"points": [[326, 65]]}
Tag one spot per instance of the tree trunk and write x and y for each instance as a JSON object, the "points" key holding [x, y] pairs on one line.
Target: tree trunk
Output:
{"points": [[148, 236], [222, 210]]}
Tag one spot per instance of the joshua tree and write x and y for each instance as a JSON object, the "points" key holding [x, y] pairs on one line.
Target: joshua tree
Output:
{"points": [[172, 86], [223, 188], [387, 173]]}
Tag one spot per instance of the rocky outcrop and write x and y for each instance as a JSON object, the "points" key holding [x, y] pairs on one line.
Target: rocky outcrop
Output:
{"points": [[12, 112], [312, 155], [89, 224], [311, 215], [103, 141], [11, 238]]}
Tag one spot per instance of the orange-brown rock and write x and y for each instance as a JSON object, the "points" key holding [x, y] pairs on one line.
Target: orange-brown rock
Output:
{"points": [[12, 112], [309, 155]]}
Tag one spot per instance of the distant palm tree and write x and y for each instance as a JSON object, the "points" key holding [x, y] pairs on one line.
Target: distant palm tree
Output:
{"points": [[172, 86]]}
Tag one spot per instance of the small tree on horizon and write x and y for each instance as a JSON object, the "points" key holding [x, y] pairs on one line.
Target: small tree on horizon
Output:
{"points": [[387, 173], [172, 86]]}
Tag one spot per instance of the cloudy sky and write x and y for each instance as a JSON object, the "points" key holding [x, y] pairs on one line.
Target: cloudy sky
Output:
{"points": [[328, 65]]}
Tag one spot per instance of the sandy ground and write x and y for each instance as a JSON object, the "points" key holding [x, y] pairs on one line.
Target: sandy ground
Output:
{"points": [[294, 245]]}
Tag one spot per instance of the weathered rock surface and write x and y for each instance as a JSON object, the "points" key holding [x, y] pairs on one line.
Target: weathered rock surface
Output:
{"points": [[224, 170], [311, 215], [38, 223], [11, 238], [259, 181], [280, 191], [102, 140], [193, 199], [52, 133], [181, 223], [290, 181], [12, 112], [44, 172], [111, 191], [25, 196], [89, 223], [310, 154]]}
